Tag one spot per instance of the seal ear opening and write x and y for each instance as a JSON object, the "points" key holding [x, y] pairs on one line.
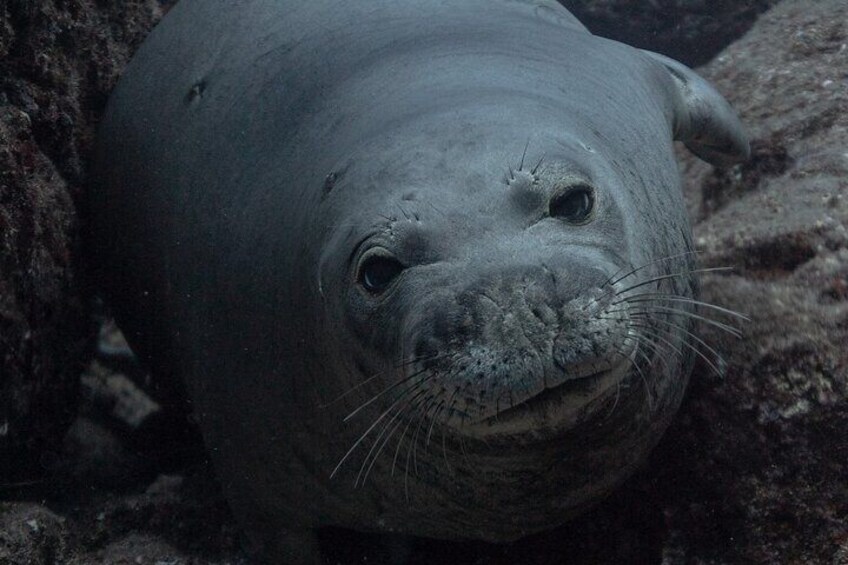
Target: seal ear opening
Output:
{"points": [[702, 119]]}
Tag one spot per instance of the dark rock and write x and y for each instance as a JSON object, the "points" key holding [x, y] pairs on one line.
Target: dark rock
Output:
{"points": [[763, 478], [174, 519], [32, 534], [95, 455], [58, 62], [692, 31]]}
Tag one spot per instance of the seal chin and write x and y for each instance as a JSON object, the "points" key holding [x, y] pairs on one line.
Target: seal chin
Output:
{"points": [[559, 407]]}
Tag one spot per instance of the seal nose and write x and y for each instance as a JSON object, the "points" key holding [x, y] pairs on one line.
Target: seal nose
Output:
{"points": [[510, 334], [520, 304], [552, 281]]}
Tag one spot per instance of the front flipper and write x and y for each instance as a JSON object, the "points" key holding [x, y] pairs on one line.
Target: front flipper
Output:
{"points": [[702, 119]]}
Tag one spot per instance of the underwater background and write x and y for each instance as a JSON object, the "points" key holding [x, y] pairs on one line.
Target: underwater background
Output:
{"points": [[754, 468]]}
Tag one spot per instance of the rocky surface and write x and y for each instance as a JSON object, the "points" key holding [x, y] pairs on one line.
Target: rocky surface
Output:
{"points": [[691, 31], [765, 478], [58, 62], [754, 468]]}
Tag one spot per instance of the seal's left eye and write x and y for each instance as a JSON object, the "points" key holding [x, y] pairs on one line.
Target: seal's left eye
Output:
{"points": [[377, 273], [575, 205]]}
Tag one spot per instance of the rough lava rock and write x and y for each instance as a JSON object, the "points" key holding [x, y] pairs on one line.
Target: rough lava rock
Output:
{"points": [[765, 473], [691, 31], [58, 62]]}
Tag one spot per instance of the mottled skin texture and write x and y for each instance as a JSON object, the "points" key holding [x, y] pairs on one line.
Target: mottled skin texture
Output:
{"points": [[259, 154]]}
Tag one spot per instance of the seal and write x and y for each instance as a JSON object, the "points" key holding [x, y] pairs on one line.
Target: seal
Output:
{"points": [[424, 267]]}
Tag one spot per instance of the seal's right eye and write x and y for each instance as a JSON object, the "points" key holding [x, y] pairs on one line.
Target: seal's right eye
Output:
{"points": [[575, 205], [378, 271]]}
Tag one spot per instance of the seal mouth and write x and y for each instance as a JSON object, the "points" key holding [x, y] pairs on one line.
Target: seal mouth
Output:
{"points": [[556, 408], [554, 395]]}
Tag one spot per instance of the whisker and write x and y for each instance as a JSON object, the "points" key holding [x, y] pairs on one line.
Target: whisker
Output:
{"points": [[433, 206], [365, 434], [433, 420], [662, 350], [539, 164], [641, 340], [452, 402], [633, 271], [661, 297], [398, 412], [523, 155], [673, 276], [412, 449], [653, 333], [693, 336], [379, 451], [382, 445], [435, 406], [644, 356], [400, 443], [659, 353], [445, 452], [399, 365], [648, 395], [421, 421], [350, 390], [416, 405], [415, 359], [448, 415], [637, 350], [732, 330], [695, 349], [422, 404], [406, 471], [617, 385], [381, 393], [464, 451], [618, 292], [406, 474]]}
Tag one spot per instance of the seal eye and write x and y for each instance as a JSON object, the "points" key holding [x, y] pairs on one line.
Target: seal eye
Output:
{"points": [[575, 205], [377, 272]]}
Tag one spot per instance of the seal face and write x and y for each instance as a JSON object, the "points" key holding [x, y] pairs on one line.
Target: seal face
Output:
{"points": [[511, 330], [423, 267]]}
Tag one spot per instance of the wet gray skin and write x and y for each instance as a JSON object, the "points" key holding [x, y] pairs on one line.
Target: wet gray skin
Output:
{"points": [[424, 267]]}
